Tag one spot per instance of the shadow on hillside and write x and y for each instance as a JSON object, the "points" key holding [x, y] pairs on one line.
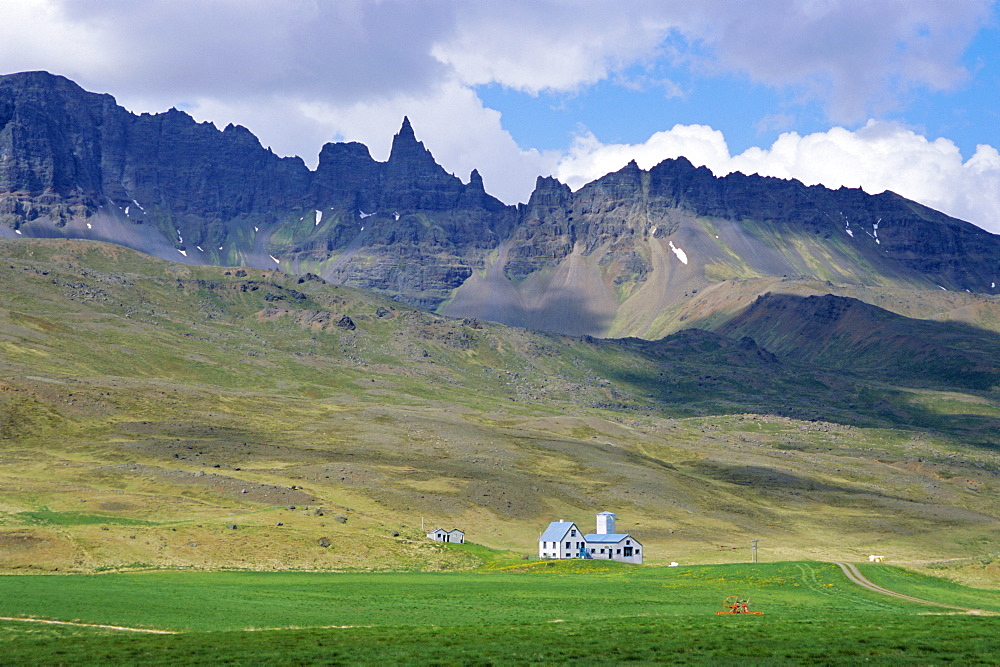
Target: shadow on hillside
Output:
{"points": [[700, 373], [843, 333], [562, 311]]}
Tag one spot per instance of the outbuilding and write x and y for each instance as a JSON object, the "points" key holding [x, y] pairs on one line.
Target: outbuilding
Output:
{"points": [[441, 535]]}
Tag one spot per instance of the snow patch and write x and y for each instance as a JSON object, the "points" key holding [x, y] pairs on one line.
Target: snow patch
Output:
{"points": [[681, 255], [126, 209], [220, 247], [652, 232], [993, 285], [276, 260], [199, 248], [944, 288], [139, 206], [365, 215], [319, 217], [396, 215], [89, 226], [255, 229], [17, 231], [362, 228], [183, 252]]}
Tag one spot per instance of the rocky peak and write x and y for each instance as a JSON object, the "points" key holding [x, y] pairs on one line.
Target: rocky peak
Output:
{"points": [[621, 184], [549, 191], [412, 179], [407, 153]]}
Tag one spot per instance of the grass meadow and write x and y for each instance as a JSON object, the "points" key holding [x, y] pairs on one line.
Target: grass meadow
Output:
{"points": [[507, 612]]}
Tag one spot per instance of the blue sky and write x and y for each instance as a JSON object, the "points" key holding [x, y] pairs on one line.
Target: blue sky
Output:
{"points": [[882, 94]]}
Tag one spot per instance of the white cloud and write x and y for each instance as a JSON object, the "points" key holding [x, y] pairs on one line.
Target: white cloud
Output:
{"points": [[879, 156], [855, 56], [858, 56], [535, 46]]}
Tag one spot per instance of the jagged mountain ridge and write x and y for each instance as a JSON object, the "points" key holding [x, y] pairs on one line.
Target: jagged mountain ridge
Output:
{"points": [[610, 259]]}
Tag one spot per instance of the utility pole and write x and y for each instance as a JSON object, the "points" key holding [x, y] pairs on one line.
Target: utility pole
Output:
{"points": [[753, 551]]}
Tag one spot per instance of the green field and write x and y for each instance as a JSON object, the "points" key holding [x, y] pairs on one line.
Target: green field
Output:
{"points": [[512, 612]]}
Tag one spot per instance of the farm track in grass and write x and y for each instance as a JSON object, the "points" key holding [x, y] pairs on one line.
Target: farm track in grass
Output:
{"points": [[86, 625], [852, 573]]}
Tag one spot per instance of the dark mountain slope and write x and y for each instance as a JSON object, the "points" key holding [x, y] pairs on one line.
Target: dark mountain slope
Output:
{"points": [[620, 257], [848, 334]]}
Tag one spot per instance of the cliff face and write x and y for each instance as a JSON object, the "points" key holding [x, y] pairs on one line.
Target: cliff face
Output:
{"points": [[612, 257], [76, 164]]}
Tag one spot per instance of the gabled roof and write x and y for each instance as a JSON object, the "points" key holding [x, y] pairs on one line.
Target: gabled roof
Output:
{"points": [[609, 538], [557, 530]]}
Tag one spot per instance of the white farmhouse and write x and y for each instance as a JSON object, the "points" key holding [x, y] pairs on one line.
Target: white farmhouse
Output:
{"points": [[565, 540], [441, 535]]}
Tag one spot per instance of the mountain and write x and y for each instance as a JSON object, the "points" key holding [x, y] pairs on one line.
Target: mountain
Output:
{"points": [[146, 406], [625, 255]]}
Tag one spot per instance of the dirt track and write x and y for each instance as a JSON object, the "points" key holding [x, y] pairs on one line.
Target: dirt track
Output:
{"points": [[855, 576], [87, 625]]}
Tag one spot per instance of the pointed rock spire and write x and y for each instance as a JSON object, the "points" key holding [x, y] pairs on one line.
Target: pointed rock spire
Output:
{"points": [[406, 148], [406, 131]]}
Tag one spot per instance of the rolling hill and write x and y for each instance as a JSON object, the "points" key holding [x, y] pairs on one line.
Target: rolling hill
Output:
{"points": [[147, 406]]}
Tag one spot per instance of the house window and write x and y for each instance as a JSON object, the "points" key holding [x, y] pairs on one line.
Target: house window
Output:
{"points": [[619, 551], [628, 541], [572, 533], [602, 550], [628, 551], [593, 550]]}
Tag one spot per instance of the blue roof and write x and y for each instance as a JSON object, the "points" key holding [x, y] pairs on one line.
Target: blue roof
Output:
{"points": [[557, 530], [612, 538]]}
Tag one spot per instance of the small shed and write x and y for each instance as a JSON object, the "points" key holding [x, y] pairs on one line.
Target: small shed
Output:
{"points": [[441, 535]]}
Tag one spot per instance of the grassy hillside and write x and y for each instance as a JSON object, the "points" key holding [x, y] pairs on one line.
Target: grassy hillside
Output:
{"points": [[145, 407]]}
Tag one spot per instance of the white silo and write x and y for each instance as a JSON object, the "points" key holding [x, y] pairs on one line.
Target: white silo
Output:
{"points": [[606, 523]]}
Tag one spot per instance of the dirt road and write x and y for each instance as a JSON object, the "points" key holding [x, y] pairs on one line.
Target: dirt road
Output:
{"points": [[87, 625], [853, 574]]}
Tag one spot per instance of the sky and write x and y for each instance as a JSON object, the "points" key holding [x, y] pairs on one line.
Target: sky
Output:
{"points": [[901, 95]]}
